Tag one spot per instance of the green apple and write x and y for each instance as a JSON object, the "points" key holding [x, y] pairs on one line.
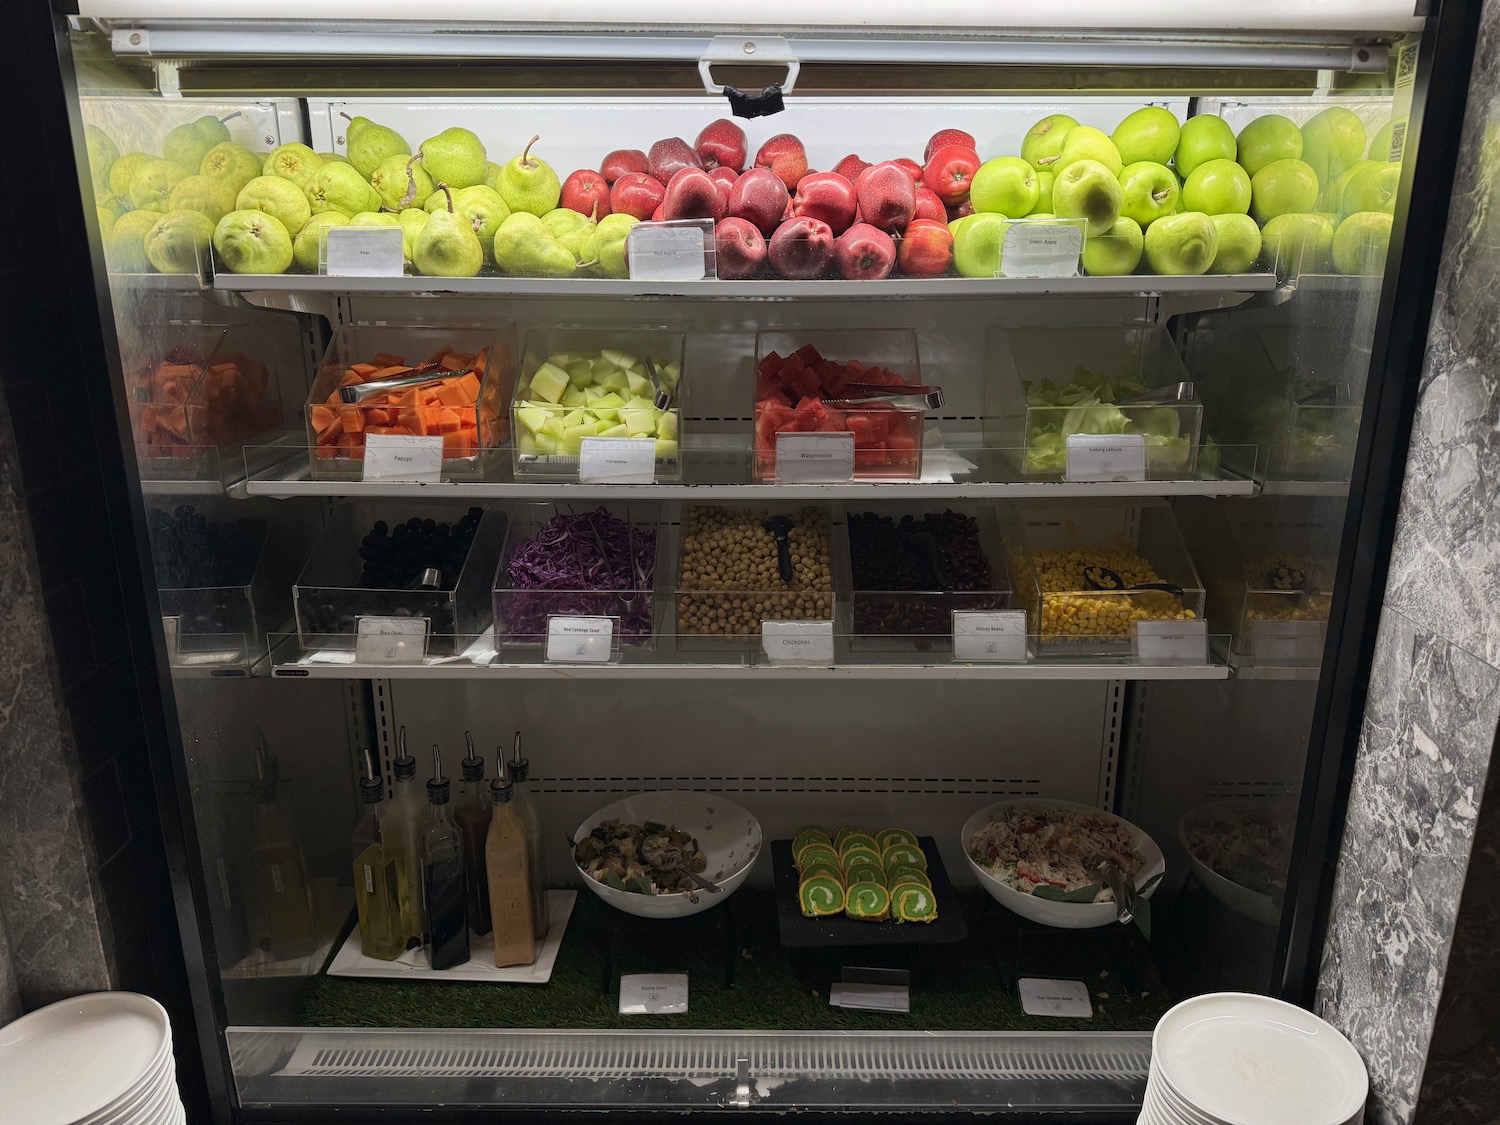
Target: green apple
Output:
{"points": [[339, 187], [278, 197], [1332, 140], [1269, 137], [1239, 244], [151, 186], [977, 245], [251, 241], [1084, 142], [609, 244], [307, 248], [123, 170], [1043, 142], [1380, 143], [1373, 188], [1182, 244], [1086, 189], [125, 249], [1006, 185], [1282, 187], [402, 181], [1116, 252], [1332, 197], [1148, 134], [1044, 181], [1204, 137], [1298, 243], [1148, 191], [231, 164], [178, 243], [1360, 243], [295, 162], [1217, 187], [102, 153], [214, 198]]}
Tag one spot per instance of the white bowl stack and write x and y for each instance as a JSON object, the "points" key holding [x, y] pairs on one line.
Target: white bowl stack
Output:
{"points": [[1231, 1058], [100, 1059]]}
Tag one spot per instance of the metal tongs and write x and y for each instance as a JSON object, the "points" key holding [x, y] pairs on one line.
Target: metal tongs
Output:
{"points": [[1121, 885], [358, 392], [932, 397], [661, 396], [1172, 392]]}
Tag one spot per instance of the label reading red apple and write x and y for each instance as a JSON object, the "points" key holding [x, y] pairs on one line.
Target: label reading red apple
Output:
{"points": [[1041, 250], [671, 251]]}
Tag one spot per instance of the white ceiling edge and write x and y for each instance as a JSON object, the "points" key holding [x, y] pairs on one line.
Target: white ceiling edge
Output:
{"points": [[780, 16]]}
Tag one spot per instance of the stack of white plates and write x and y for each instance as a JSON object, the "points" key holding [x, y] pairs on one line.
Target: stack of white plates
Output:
{"points": [[101, 1059], [1229, 1058]]}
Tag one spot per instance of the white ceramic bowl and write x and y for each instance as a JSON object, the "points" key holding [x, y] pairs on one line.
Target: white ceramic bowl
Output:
{"points": [[1243, 900], [729, 835], [1063, 915]]}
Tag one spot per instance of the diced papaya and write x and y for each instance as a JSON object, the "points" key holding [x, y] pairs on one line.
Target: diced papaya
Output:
{"points": [[453, 361], [437, 356], [481, 362], [415, 420], [364, 369], [352, 445], [459, 443], [386, 359], [469, 386], [323, 417], [447, 421], [352, 378], [333, 433], [451, 394], [174, 421], [369, 429], [326, 452], [353, 419]]}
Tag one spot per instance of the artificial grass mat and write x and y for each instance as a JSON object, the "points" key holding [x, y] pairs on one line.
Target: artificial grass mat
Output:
{"points": [[955, 987]]}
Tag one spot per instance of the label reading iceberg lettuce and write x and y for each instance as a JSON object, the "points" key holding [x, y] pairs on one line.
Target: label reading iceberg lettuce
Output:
{"points": [[1096, 457]]}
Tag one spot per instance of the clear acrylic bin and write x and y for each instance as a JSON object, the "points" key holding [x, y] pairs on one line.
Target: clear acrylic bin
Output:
{"points": [[521, 613], [329, 599], [895, 603], [1050, 545], [601, 389], [1286, 565], [795, 366], [466, 410], [1047, 383]]}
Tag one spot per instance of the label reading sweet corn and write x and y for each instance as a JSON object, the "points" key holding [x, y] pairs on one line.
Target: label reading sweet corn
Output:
{"points": [[1169, 642]]}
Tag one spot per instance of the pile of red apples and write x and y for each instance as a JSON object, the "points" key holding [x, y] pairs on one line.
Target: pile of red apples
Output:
{"points": [[860, 221]]}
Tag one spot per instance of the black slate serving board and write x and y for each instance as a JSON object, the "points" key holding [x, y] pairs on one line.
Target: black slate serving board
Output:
{"points": [[798, 932]]}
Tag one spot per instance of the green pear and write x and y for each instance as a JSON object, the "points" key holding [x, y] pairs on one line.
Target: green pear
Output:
{"points": [[401, 181], [102, 153], [251, 241], [456, 157], [212, 198], [1361, 242], [1204, 137], [1149, 134], [125, 249], [1117, 251], [307, 247], [1084, 142], [295, 162], [1239, 244], [189, 144], [525, 247], [609, 244], [279, 198], [412, 220], [333, 158], [179, 241], [492, 174], [340, 187], [124, 169], [152, 184], [573, 231], [529, 184], [1332, 140], [375, 219], [106, 220], [1043, 142], [116, 205], [232, 164], [447, 246], [485, 210], [370, 145]]}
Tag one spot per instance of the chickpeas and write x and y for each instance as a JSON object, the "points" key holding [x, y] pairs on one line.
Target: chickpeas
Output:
{"points": [[728, 576], [1270, 598], [1070, 608]]}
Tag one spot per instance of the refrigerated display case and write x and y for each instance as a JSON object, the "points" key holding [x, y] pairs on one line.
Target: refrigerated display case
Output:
{"points": [[1113, 653]]}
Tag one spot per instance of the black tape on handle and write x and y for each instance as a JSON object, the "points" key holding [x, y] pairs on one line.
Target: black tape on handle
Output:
{"points": [[762, 104]]}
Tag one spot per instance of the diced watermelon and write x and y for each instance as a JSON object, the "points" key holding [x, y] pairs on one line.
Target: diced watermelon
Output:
{"points": [[870, 457], [865, 429], [855, 367], [770, 364], [808, 354]]}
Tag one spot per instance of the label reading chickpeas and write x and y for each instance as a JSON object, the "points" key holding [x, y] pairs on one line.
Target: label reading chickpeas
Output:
{"points": [[797, 642]]}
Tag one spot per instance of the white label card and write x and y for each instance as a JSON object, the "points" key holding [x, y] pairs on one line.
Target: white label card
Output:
{"points": [[617, 461], [580, 640], [797, 642], [404, 457], [169, 626], [1297, 644], [665, 253], [870, 997], [1170, 642], [390, 640], [989, 635], [1042, 997], [646, 994], [363, 252], [1040, 250], [1106, 457], [814, 458]]}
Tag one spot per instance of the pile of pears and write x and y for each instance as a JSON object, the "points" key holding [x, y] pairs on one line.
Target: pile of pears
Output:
{"points": [[264, 213]]}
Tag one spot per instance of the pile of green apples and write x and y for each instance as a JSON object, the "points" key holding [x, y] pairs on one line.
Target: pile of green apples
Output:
{"points": [[1168, 197], [264, 213], [577, 395]]}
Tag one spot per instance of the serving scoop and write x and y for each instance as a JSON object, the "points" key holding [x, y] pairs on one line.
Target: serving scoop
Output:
{"points": [[781, 527], [1102, 578]]}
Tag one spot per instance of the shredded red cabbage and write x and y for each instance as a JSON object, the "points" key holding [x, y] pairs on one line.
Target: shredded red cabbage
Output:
{"points": [[569, 566]]}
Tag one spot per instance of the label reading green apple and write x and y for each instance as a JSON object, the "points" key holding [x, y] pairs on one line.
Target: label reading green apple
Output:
{"points": [[1098, 457], [580, 640], [989, 635], [617, 460], [362, 252], [669, 251], [1041, 249]]}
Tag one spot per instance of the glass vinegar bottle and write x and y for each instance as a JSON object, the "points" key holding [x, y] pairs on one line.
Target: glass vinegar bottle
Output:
{"points": [[472, 812], [518, 769], [443, 887], [403, 825], [288, 920]]}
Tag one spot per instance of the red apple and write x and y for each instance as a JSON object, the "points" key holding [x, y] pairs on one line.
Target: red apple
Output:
{"points": [[827, 196], [959, 210], [586, 192], [945, 137], [721, 144], [926, 249], [724, 179], [850, 167], [887, 196], [636, 193], [740, 248], [760, 196], [913, 169], [801, 248], [950, 172], [784, 155], [863, 253], [929, 206], [623, 161], [692, 195], [669, 156], [657, 216]]}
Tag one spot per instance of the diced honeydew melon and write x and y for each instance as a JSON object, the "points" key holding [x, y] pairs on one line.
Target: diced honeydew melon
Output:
{"points": [[639, 384], [605, 413], [573, 397], [580, 373], [609, 401], [618, 358], [603, 367], [553, 428], [526, 443], [574, 418], [639, 402], [573, 436], [615, 431], [666, 425], [546, 445], [594, 393], [560, 359], [549, 382], [533, 417], [669, 373], [639, 422], [616, 381], [666, 449]]}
